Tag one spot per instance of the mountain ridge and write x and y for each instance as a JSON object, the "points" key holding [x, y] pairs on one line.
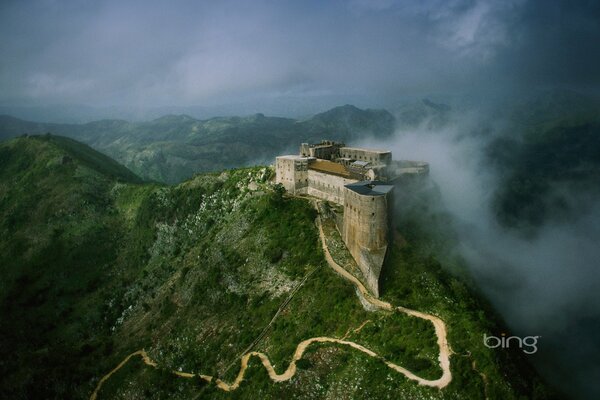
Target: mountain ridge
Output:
{"points": [[174, 147]]}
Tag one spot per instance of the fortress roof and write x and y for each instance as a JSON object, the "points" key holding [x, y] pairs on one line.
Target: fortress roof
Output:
{"points": [[361, 163], [329, 167], [378, 151], [370, 188]]}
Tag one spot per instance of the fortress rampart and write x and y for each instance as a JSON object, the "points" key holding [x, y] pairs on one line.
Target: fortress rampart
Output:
{"points": [[361, 180], [327, 186]]}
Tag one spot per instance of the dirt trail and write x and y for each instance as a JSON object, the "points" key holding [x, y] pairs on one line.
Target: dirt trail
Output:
{"points": [[439, 325], [148, 361]]}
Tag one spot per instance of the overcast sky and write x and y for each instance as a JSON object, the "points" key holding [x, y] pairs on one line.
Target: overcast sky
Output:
{"points": [[183, 53]]}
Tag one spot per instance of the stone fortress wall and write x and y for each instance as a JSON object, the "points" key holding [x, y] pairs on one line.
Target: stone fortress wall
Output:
{"points": [[292, 173], [368, 155], [361, 181], [327, 186], [365, 228]]}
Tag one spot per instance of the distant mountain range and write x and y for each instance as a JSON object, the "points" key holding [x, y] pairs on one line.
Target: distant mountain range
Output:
{"points": [[174, 147]]}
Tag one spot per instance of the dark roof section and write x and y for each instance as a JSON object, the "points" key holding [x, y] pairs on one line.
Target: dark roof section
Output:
{"points": [[370, 188]]}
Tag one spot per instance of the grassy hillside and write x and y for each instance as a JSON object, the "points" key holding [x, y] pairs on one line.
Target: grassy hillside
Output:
{"points": [[173, 148], [96, 265]]}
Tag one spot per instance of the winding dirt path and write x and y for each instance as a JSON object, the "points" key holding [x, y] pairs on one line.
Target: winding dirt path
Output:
{"points": [[148, 361], [439, 325]]}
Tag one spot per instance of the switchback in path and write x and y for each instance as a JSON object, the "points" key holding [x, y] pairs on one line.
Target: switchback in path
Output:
{"points": [[439, 325]]}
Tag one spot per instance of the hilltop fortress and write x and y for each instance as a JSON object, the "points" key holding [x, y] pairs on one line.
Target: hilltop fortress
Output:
{"points": [[359, 180]]}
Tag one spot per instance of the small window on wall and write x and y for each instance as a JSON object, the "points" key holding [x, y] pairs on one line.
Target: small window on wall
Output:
{"points": [[372, 214]]}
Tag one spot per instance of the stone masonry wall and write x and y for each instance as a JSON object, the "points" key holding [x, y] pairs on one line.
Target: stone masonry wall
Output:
{"points": [[327, 187], [372, 156], [292, 173], [365, 232]]}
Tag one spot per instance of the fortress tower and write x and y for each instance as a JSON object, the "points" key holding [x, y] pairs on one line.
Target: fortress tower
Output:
{"points": [[366, 227], [361, 181], [292, 173]]}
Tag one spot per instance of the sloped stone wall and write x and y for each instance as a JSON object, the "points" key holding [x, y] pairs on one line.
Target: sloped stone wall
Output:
{"points": [[365, 232]]}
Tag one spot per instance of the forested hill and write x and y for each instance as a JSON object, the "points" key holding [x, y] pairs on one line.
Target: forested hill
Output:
{"points": [[174, 147], [96, 265]]}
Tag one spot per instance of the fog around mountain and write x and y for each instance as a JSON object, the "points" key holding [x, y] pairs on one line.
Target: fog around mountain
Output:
{"points": [[521, 182]]}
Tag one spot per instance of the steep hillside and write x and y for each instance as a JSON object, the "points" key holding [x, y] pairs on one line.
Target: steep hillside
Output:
{"points": [[550, 171], [174, 147], [96, 265]]}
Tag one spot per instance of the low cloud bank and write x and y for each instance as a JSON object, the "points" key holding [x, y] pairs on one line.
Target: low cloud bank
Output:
{"points": [[546, 285]]}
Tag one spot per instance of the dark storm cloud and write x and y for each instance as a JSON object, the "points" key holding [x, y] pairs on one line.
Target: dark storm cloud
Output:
{"points": [[552, 43], [183, 53]]}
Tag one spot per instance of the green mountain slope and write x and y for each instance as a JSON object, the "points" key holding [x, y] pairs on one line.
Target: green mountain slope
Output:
{"points": [[549, 163], [96, 265], [173, 148]]}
